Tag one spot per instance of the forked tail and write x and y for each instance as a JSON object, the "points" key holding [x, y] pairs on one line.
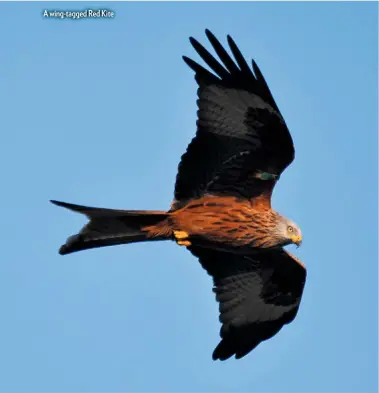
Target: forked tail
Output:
{"points": [[109, 227]]}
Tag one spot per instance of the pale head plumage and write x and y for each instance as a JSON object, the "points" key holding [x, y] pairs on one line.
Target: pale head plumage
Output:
{"points": [[289, 232]]}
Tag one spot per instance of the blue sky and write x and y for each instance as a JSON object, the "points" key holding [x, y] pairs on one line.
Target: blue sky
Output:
{"points": [[99, 113]]}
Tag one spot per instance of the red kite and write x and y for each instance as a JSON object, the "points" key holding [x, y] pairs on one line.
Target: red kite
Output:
{"points": [[222, 207]]}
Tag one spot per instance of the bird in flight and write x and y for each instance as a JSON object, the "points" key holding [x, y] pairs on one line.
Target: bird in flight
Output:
{"points": [[221, 210]]}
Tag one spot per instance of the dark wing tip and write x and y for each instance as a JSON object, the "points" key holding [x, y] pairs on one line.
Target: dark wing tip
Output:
{"points": [[234, 346], [63, 250], [257, 71], [57, 203], [209, 34], [237, 70], [223, 351], [192, 64], [195, 43], [66, 205], [217, 355], [73, 243], [75, 208]]}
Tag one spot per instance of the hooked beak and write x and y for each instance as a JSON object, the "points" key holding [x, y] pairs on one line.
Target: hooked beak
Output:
{"points": [[297, 240]]}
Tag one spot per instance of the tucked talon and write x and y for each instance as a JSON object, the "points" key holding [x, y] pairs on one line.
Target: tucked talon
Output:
{"points": [[185, 243], [180, 235], [182, 238]]}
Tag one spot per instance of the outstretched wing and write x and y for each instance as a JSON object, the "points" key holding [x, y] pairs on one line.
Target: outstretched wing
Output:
{"points": [[257, 294], [242, 144]]}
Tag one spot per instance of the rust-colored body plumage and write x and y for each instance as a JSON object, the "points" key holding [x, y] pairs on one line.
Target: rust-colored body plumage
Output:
{"points": [[223, 221], [221, 210]]}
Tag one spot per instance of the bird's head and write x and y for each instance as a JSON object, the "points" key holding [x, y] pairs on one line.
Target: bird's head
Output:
{"points": [[290, 232]]}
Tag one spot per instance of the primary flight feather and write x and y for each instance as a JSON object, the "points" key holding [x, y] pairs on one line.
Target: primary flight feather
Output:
{"points": [[222, 203]]}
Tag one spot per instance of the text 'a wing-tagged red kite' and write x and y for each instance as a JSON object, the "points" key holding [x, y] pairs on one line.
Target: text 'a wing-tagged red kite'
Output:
{"points": [[222, 207]]}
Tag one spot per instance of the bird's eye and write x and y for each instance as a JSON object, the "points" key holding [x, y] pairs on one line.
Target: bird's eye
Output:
{"points": [[290, 229]]}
